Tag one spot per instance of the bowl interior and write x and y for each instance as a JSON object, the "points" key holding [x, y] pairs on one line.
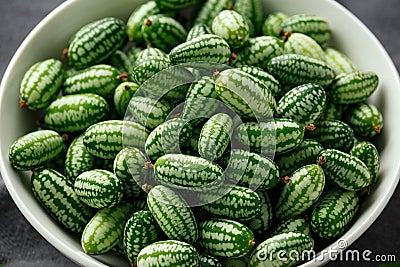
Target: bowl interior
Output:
{"points": [[50, 37]]}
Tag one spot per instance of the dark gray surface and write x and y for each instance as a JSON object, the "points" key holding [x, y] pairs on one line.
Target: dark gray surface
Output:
{"points": [[21, 245]]}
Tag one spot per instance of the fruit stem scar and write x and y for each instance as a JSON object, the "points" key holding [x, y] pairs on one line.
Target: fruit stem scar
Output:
{"points": [[252, 242], [310, 127], [147, 187], [175, 116], [22, 104], [285, 180], [148, 165], [377, 129], [123, 75], [232, 59], [286, 36], [64, 53], [64, 137], [321, 160], [149, 22], [127, 87], [215, 74]]}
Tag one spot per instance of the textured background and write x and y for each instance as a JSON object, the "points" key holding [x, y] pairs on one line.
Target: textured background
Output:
{"points": [[21, 245]]}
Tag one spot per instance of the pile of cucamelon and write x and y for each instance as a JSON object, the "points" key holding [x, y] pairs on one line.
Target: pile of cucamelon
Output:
{"points": [[266, 147]]}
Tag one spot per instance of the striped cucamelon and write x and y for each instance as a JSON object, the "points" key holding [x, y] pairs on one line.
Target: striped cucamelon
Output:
{"points": [[210, 10], [333, 134], [163, 32], [136, 18], [99, 188], [366, 119], [279, 250], [303, 154], [268, 137], [293, 70], [56, 194], [205, 48], [215, 136], [122, 95], [121, 61], [338, 61], [296, 224], [206, 260], [99, 79], [150, 51], [168, 253], [301, 44], [188, 172], [96, 41], [252, 11], [250, 169], [140, 231], [129, 168], [262, 223], [105, 139], [303, 104], [225, 238], [41, 84], [258, 51], [301, 192], [231, 26], [148, 66], [346, 170], [165, 5], [353, 87], [78, 159], [312, 25], [147, 111], [167, 138], [198, 30], [72, 113], [368, 153], [106, 229], [233, 202], [172, 214], [247, 96], [35, 149], [334, 212], [272, 23], [332, 111]]}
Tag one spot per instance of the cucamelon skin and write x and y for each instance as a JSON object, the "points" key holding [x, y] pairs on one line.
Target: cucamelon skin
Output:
{"points": [[338, 61], [198, 30], [205, 48], [105, 139], [96, 41], [173, 4], [105, 229], [146, 67], [301, 44], [121, 61], [163, 32], [293, 70], [135, 20], [252, 11], [262, 223], [56, 194], [301, 192], [122, 96], [292, 225], [210, 10], [272, 23], [334, 212], [129, 168], [208, 261], [140, 231], [35, 149], [368, 153], [225, 238], [41, 84], [345, 170], [99, 188], [215, 136], [150, 51], [231, 26], [265, 253], [98, 79], [72, 113], [168, 253], [366, 119], [172, 214]]}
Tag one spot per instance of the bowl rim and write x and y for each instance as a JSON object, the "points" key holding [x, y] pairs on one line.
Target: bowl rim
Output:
{"points": [[86, 260]]}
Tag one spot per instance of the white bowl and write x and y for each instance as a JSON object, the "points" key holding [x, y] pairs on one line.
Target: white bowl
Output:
{"points": [[50, 37]]}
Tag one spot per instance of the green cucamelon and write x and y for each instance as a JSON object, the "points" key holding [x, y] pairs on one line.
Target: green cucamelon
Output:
{"points": [[188, 172], [140, 231], [173, 4], [121, 61], [333, 213], [167, 138], [148, 66], [301, 44], [332, 111], [135, 20], [272, 23], [366, 119], [206, 260], [262, 223], [225, 238], [129, 168], [99, 79], [122, 96], [303, 104], [95, 42], [210, 10], [172, 214], [150, 51], [345, 170], [106, 229], [293, 70], [35, 149], [99, 188], [198, 30], [56, 194], [278, 250], [105, 139], [301, 192], [338, 61], [41, 84], [168, 253], [231, 26], [252, 11], [368, 153], [163, 32], [72, 113], [296, 224], [245, 95]]}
